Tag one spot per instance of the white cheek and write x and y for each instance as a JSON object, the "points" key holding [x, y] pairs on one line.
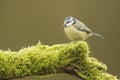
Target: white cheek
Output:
{"points": [[69, 24]]}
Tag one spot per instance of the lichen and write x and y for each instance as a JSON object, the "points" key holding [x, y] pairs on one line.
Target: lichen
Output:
{"points": [[43, 60]]}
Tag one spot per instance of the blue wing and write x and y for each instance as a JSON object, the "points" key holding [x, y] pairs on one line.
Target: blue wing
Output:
{"points": [[82, 27]]}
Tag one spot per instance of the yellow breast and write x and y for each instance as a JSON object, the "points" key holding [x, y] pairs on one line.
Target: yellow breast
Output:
{"points": [[74, 34]]}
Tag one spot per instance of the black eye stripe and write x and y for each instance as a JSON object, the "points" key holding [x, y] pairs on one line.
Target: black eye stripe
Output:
{"points": [[68, 21], [71, 21]]}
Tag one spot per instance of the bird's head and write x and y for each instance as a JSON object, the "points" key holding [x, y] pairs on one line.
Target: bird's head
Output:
{"points": [[69, 21]]}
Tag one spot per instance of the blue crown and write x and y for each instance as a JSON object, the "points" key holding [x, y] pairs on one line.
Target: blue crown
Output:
{"points": [[69, 18]]}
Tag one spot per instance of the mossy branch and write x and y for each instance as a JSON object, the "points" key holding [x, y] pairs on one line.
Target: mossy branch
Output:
{"points": [[43, 59]]}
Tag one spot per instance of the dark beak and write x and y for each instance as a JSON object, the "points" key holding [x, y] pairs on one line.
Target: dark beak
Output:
{"points": [[64, 23]]}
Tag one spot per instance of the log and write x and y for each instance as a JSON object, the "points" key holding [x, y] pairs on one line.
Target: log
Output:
{"points": [[40, 59]]}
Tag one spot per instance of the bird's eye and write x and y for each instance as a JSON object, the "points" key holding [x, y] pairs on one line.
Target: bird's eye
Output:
{"points": [[68, 22]]}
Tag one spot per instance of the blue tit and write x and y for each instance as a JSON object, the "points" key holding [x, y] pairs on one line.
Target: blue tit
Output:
{"points": [[77, 30]]}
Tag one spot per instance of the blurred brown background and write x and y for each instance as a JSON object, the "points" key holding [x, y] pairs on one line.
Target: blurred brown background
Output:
{"points": [[25, 22]]}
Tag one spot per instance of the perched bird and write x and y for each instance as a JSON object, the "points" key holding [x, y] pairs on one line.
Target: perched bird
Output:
{"points": [[76, 30]]}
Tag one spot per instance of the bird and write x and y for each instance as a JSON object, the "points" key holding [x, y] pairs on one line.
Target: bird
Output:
{"points": [[76, 30]]}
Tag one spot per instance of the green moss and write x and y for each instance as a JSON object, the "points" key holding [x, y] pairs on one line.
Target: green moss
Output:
{"points": [[92, 69], [44, 59]]}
